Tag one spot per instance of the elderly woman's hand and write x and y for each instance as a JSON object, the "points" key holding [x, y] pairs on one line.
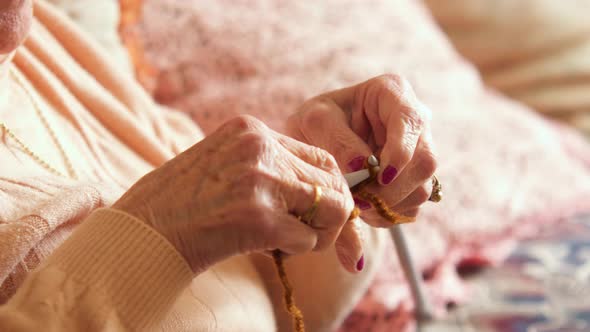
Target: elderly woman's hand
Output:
{"points": [[237, 191], [381, 116]]}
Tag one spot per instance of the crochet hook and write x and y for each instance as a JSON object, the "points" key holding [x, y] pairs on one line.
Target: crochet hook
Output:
{"points": [[423, 308]]}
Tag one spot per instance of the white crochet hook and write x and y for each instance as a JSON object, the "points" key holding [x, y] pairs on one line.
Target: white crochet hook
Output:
{"points": [[423, 307]]}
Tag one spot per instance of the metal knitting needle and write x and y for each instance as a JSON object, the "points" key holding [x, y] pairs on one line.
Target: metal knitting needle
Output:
{"points": [[414, 278], [423, 308]]}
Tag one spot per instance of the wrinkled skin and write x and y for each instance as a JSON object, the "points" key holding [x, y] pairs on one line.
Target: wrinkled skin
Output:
{"points": [[237, 192], [247, 180], [381, 116]]}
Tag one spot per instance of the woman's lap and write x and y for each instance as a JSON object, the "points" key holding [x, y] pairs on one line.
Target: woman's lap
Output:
{"points": [[231, 296]]}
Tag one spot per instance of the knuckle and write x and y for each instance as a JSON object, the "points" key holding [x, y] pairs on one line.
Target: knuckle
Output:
{"points": [[243, 123], [317, 112], [392, 84], [413, 117], [392, 79], [411, 109], [340, 185], [325, 159], [254, 143], [426, 166]]}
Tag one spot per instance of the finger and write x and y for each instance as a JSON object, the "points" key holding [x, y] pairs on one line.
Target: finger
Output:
{"points": [[347, 100], [292, 236], [404, 118], [244, 131], [334, 205], [309, 173], [326, 125], [333, 209], [242, 123], [313, 155], [349, 246], [375, 220], [415, 199], [417, 173]]}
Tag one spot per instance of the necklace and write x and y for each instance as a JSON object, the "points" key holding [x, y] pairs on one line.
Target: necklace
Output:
{"points": [[70, 169]]}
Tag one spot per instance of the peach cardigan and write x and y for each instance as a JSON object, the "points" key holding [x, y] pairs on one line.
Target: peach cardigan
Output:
{"points": [[113, 133]]}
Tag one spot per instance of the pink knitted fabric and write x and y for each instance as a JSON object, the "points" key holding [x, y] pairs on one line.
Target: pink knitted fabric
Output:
{"points": [[505, 170]]}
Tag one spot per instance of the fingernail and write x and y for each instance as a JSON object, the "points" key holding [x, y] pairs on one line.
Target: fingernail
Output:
{"points": [[360, 264], [363, 205], [388, 174], [356, 164]]}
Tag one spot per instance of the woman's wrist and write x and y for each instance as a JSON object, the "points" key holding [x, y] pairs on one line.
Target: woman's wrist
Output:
{"points": [[204, 249]]}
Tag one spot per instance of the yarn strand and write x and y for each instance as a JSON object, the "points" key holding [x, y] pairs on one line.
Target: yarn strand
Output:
{"points": [[377, 202], [359, 191], [289, 299]]}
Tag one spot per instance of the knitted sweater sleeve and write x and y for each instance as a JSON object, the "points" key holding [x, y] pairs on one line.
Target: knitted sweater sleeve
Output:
{"points": [[114, 273]]}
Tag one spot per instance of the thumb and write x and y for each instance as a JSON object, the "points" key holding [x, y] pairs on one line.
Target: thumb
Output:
{"points": [[349, 246], [324, 124]]}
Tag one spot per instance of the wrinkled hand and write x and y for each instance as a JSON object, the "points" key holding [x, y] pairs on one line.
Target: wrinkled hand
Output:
{"points": [[236, 192], [381, 116]]}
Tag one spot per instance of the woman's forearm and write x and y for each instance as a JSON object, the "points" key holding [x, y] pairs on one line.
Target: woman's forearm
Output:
{"points": [[113, 273]]}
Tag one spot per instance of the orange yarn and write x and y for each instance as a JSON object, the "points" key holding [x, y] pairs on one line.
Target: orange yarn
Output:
{"points": [[289, 299], [292, 309], [377, 202], [382, 208], [359, 191]]}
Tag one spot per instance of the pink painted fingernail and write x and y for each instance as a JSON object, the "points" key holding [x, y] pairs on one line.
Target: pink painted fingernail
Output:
{"points": [[357, 163], [360, 264], [363, 205], [388, 174]]}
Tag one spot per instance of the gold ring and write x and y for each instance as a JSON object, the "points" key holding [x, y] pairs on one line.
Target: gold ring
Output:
{"points": [[308, 216], [436, 194]]}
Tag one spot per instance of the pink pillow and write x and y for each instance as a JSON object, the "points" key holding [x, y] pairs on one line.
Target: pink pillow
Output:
{"points": [[504, 169]]}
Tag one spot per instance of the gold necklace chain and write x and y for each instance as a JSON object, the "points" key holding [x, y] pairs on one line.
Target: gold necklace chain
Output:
{"points": [[69, 167]]}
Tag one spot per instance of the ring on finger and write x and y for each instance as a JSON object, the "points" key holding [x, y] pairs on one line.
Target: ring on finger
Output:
{"points": [[436, 194], [308, 216]]}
